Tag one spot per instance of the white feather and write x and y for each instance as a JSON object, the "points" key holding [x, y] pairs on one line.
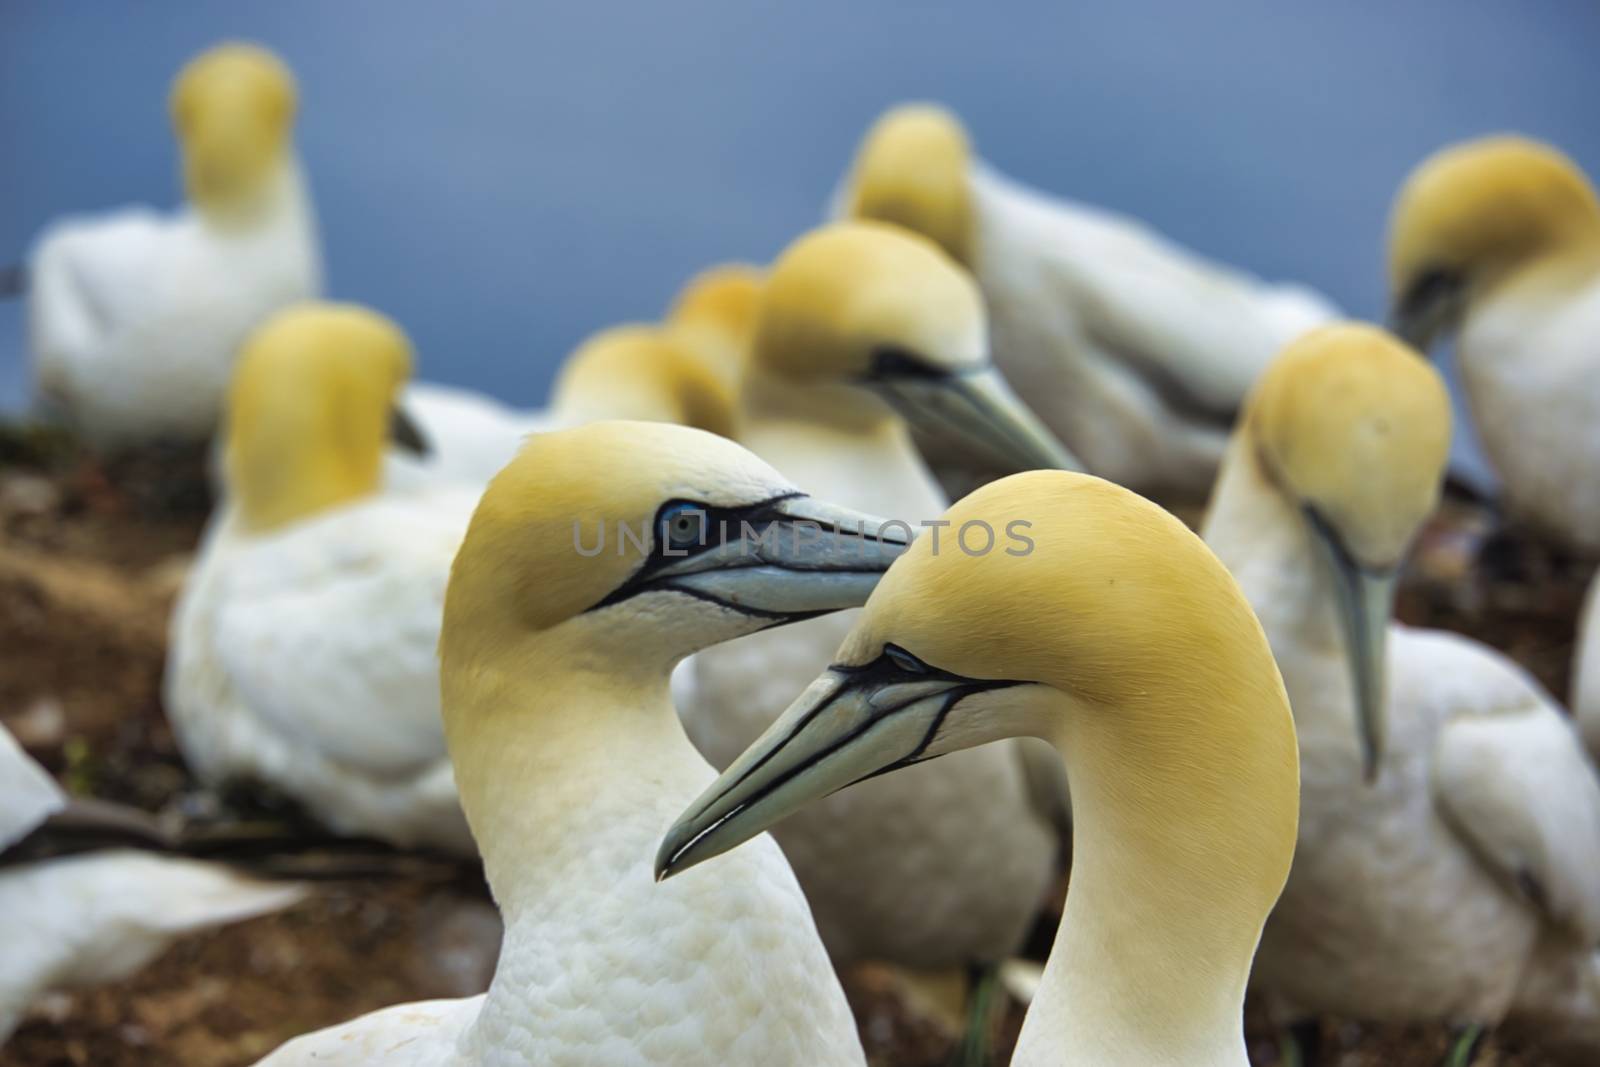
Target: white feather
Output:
{"points": [[134, 318], [305, 659]]}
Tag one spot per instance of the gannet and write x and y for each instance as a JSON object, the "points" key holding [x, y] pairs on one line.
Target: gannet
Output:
{"points": [[639, 372], [862, 327], [1498, 241], [302, 647], [555, 656], [1134, 351], [134, 317], [1114, 634], [99, 916], [715, 316], [1449, 859]]}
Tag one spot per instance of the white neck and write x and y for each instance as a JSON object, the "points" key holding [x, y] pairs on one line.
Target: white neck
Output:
{"points": [[1267, 546], [841, 444], [568, 774], [542, 749], [281, 204]]}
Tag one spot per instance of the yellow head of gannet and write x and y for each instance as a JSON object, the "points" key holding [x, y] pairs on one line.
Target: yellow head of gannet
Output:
{"points": [[1470, 215], [684, 533], [310, 410], [714, 315], [645, 374], [864, 307], [1097, 621], [724, 298], [233, 109], [912, 170], [1353, 428]]}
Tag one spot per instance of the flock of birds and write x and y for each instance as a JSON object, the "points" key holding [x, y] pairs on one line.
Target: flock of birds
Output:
{"points": [[399, 621]]}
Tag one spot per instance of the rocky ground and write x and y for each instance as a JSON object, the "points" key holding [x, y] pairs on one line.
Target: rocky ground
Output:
{"points": [[87, 576]]}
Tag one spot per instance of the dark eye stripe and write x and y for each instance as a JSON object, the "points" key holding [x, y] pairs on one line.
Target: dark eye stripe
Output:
{"points": [[890, 361], [718, 524]]}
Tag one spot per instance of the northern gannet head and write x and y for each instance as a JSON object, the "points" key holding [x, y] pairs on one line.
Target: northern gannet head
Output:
{"points": [[311, 408], [912, 169], [634, 543], [1353, 429], [878, 311], [715, 315], [233, 109], [1111, 626], [1469, 215], [646, 374]]}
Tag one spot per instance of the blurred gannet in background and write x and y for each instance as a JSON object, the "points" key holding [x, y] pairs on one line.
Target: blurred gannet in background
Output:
{"points": [[1121, 640], [1133, 350], [571, 761], [134, 318], [302, 652], [638, 372], [715, 316], [98, 916], [1498, 241], [860, 321], [1449, 860]]}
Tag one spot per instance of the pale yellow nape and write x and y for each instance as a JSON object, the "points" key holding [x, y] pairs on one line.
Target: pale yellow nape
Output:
{"points": [[1483, 208], [913, 170], [1354, 422], [1174, 723], [643, 373], [233, 109], [309, 409], [844, 291]]}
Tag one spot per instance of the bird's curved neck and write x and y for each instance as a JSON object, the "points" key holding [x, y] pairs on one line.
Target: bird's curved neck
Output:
{"points": [[842, 444], [1181, 843], [281, 476], [1266, 544], [568, 773], [281, 201], [548, 743]]}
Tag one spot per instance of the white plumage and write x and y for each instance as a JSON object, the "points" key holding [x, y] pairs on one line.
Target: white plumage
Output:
{"points": [[98, 917], [1466, 879], [134, 319], [470, 436], [304, 659], [1530, 361], [1135, 351]]}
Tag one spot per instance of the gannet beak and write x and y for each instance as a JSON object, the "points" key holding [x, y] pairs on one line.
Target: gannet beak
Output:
{"points": [[1425, 310], [786, 560], [978, 405], [405, 433], [1366, 602], [849, 724]]}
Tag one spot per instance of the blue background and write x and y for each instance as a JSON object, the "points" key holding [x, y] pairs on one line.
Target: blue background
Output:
{"points": [[505, 178]]}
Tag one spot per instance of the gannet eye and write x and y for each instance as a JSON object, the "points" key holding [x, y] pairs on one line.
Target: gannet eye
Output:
{"points": [[890, 362], [904, 660], [683, 526]]}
